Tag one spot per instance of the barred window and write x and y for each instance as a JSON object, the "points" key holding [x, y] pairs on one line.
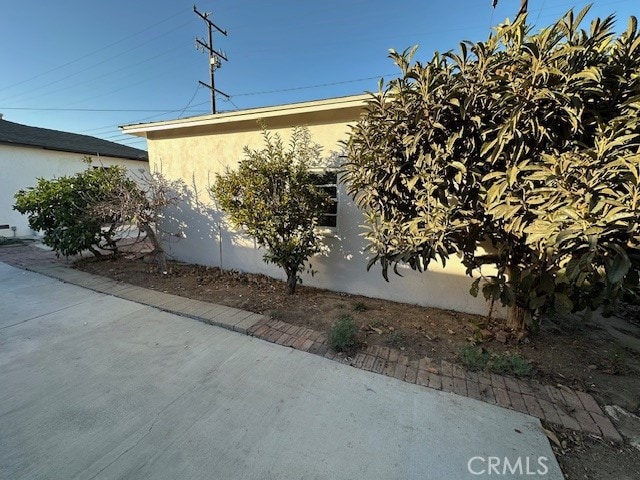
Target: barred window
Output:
{"points": [[328, 181]]}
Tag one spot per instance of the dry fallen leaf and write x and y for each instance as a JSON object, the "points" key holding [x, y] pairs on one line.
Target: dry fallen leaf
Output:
{"points": [[565, 388], [553, 437]]}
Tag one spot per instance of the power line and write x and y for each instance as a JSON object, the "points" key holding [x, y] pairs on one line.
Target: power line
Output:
{"points": [[191, 100], [165, 112], [125, 87], [101, 62], [228, 99], [306, 87], [45, 109], [132, 140], [93, 52], [245, 94], [91, 80], [539, 12]]}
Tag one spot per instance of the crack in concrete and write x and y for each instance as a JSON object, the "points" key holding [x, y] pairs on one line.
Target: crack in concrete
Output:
{"points": [[42, 315]]}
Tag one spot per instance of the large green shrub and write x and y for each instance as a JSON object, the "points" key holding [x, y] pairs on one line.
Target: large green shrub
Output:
{"points": [[60, 208], [527, 144], [272, 196]]}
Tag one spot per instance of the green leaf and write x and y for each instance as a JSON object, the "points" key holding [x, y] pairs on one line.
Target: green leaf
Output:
{"points": [[475, 287], [618, 267], [562, 303]]}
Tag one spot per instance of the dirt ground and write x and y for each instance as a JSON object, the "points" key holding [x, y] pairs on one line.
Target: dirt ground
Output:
{"points": [[579, 354]]}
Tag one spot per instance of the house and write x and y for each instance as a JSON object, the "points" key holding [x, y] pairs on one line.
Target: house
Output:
{"points": [[28, 153], [195, 149]]}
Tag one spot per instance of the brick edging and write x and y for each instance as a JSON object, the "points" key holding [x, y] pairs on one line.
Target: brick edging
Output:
{"points": [[561, 406]]}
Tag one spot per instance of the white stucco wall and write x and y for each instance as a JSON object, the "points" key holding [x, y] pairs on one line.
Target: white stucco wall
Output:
{"points": [[21, 166], [197, 149]]}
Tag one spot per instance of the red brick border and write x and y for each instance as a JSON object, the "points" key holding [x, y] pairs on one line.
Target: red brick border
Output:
{"points": [[562, 406]]}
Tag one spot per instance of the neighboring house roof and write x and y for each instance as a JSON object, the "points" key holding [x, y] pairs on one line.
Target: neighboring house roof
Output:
{"points": [[23, 135]]}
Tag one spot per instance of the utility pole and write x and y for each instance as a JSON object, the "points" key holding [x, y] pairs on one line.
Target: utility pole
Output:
{"points": [[215, 56]]}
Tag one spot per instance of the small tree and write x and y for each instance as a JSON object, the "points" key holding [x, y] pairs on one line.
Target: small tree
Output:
{"points": [[60, 208], [143, 206], [527, 144], [273, 197]]}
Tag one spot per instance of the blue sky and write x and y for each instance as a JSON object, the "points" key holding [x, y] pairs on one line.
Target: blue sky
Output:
{"points": [[138, 57]]}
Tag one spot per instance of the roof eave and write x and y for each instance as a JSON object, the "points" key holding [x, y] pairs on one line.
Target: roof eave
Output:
{"points": [[72, 150], [341, 103]]}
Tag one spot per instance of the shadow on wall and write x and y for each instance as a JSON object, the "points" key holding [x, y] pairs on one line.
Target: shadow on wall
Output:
{"points": [[203, 229], [210, 240], [344, 269]]}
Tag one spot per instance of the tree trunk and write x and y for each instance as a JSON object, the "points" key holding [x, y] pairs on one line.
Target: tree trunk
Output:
{"points": [[292, 281], [111, 244], [516, 318], [158, 251], [516, 315]]}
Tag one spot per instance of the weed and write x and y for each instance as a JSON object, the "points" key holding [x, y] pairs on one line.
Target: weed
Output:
{"points": [[510, 364], [360, 307], [275, 315], [475, 359], [394, 340], [617, 359], [342, 335], [374, 323]]}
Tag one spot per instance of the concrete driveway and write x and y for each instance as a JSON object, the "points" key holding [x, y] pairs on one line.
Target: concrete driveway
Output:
{"points": [[92, 386]]}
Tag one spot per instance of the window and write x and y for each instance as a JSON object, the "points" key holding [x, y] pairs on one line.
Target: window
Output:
{"points": [[328, 181]]}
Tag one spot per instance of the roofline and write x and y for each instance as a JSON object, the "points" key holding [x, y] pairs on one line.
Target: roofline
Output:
{"points": [[352, 101], [71, 150]]}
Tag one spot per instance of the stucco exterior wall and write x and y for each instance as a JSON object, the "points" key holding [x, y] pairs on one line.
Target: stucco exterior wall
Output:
{"points": [[197, 154], [21, 166]]}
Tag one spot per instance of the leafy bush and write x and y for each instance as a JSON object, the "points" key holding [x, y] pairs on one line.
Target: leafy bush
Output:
{"points": [[91, 209], [519, 152], [272, 196], [342, 335], [61, 209]]}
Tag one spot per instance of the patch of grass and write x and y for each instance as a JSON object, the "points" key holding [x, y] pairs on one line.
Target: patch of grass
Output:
{"points": [[395, 340], [617, 359], [275, 314], [360, 307], [473, 358], [342, 335], [476, 359], [510, 365]]}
